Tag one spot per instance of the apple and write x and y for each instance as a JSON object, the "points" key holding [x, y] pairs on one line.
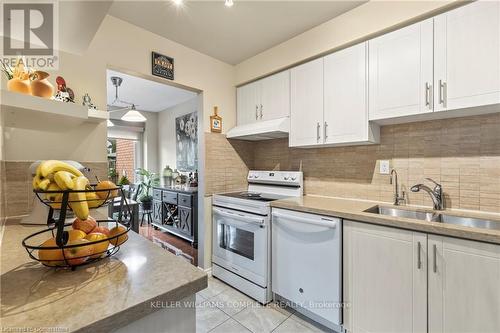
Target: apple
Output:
{"points": [[100, 248], [117, 231], [101, 229], [85, 225], [77, 255]]}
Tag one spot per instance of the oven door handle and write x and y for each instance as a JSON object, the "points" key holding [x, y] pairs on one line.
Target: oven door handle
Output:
{"points": [[324, 222], [237, 216]]}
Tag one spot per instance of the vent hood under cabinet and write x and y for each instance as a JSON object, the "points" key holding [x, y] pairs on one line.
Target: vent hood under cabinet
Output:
{"points": [[262, 130]]}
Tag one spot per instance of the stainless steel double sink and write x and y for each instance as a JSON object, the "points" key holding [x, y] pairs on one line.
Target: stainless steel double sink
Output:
{"points": [[432, 216]]}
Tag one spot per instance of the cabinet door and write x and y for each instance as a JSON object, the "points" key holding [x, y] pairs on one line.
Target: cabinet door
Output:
{"points": [[306, 96], [346, 107], [248, 103], [385, 279], [157, 211], [464, 286], [401, 72], [467, 56], [275, 96], [185, 224]]}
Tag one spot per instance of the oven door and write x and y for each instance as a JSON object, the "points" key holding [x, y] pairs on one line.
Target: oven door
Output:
{"points": [[240, 243]]}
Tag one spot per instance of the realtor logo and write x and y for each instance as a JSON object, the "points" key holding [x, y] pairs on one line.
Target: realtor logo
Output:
{"points": [[30, 31]]}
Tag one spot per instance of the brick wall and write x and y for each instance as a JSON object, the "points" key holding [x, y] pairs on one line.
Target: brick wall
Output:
{"points": [[125, 158]]}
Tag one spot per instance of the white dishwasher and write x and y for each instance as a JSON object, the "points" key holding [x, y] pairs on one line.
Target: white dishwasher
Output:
{"points": [[306, 264]]}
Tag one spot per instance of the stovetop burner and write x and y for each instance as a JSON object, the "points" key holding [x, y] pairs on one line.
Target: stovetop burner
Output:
{"points": [[254, 196]]}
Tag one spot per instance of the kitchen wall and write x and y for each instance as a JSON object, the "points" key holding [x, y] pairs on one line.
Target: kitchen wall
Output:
{"points": [[167, 150], [463, 154], [362, 23]]}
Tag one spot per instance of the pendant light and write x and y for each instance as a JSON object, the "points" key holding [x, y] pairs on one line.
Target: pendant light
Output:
{"points": [[133, 115]]}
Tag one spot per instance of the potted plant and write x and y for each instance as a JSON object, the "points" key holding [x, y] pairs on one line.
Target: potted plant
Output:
{"points": [[149, 179]]}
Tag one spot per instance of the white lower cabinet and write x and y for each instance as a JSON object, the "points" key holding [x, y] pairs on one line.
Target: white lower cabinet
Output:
{"points": [[385, 284], [403, 281], [464, 286]]}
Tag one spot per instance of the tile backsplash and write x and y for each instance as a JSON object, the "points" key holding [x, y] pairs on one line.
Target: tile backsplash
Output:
{"points": [[463, 154]]}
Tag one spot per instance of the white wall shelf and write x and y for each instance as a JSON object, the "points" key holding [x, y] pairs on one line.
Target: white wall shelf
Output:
{"points": [[19, 108]]}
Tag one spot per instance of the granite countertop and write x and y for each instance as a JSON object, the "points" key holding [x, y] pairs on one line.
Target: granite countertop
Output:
{"points": [[352, 209], [182, 189], [95, 298]]}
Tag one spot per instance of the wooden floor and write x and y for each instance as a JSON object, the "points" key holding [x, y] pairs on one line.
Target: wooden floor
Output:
{"points": [[170, 242]]}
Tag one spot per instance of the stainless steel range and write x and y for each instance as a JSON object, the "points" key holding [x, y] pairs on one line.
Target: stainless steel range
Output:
{"points": [[242, 234]]}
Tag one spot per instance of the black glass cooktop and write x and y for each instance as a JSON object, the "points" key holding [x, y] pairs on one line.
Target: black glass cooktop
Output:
{"points": [[254, 196]]}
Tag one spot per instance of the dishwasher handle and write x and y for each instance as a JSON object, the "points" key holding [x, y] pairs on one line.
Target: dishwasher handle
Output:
{"points": [[324, 222]]}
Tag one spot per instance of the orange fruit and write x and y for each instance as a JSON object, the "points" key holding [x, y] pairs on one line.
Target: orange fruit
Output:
{"points": [[98, 248], [106, 185], [51, 257], [78, 255], [76, 234], [116, 231]]}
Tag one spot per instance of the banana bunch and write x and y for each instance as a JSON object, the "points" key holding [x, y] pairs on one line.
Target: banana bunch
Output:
{"points": [[55, 175]]}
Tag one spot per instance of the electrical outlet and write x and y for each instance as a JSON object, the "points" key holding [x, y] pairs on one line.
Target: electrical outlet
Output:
{"points": [[385, 167]]}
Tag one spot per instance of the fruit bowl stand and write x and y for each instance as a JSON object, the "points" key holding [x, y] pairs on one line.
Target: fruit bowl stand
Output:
{"points": [[56, 226]]}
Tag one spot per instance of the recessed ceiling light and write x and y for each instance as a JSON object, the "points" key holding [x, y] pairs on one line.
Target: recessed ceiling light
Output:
{"points": [[228, 3], [177, 2]]}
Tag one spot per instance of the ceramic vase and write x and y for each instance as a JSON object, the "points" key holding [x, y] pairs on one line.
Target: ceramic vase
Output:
{"points": [[40, 86]]}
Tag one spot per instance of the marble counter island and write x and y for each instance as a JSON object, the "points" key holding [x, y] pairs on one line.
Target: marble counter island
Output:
{"points": [[143, 288]]}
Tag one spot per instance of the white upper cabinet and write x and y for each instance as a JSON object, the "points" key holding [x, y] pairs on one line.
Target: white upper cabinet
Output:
{"points": [[275, 96], [401, 73], [467, 56], [248, 103], [306, 107], [265, 99], [345, 97], [464, 286]]}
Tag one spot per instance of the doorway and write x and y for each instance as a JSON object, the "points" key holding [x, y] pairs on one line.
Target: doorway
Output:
{"points": [[155, 132]]}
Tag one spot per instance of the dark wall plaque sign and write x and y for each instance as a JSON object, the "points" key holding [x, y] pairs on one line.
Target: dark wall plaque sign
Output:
{"points": [[162, 66]]}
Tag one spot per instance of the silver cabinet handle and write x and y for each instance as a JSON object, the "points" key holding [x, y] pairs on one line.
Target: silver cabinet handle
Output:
{"points": [[442, 92], [419, 258], [325, 132], [261, 107], [256, 112], [435, 267], [428, 95], [318, 136]]}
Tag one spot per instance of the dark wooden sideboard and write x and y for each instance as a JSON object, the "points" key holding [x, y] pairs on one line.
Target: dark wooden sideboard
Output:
{"points": [[176, 211]]}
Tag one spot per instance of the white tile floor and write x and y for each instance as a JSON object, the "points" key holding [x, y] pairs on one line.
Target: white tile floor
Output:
{"points": [[222, 309]]}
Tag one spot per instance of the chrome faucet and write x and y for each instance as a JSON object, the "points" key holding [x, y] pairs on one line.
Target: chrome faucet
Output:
{"points": [[398, 199], [436, 193]]}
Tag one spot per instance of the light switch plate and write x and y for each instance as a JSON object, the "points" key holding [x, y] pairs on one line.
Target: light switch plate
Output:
{"points": [[385, 167]]}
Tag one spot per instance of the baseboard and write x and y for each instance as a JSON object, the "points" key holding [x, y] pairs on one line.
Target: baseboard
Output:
{"points": [[207, 270]]}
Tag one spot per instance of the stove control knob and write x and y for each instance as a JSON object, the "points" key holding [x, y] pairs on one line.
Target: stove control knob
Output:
{"points": [[285, 178], [250, 176], [255, 176], [293, 178]]}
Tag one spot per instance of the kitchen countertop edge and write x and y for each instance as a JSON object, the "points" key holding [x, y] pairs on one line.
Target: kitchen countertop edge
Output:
{"points": [[316, 205]]}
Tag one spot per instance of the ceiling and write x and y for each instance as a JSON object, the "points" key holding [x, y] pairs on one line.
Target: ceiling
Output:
{"points": [[229, 34], [147, 95]]}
